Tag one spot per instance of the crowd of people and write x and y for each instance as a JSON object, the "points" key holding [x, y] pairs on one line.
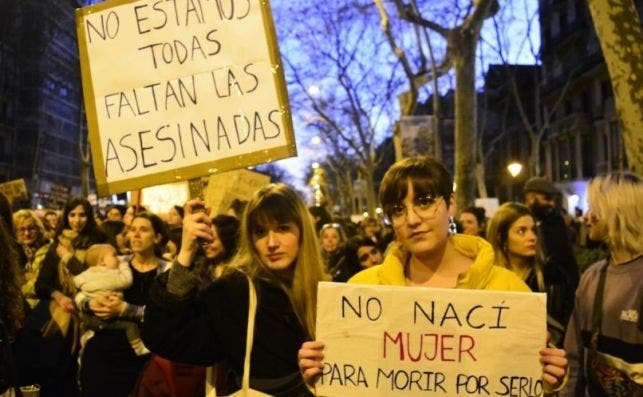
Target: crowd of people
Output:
{"points": [[129, 303]]}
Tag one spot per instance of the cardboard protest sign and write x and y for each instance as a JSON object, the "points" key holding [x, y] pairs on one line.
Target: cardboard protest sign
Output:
{"points": [[418, 136], [180, 89], [240, 184], [15, 190], [414, 341]]}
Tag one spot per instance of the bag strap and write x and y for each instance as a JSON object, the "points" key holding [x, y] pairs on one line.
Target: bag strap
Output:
{"points": [[597, 311], [252, 309]]}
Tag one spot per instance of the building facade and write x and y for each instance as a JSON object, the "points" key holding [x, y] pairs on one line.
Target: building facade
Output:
{"points": [[583, 137], [41, 116]]}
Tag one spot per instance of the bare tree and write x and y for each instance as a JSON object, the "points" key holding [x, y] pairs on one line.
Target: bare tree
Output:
{"points": [[340, 50], [619, 32], [461, 43]]}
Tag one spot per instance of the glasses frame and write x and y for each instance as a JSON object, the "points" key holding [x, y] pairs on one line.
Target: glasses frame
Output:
{"points": [[431, 211]]}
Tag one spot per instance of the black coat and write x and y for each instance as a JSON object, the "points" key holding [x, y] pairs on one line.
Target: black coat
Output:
{"points": [[8, 369], [212, 328]]}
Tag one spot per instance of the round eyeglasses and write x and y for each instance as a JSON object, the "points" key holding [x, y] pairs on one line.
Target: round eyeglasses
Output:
{"points": [[424, 206]]}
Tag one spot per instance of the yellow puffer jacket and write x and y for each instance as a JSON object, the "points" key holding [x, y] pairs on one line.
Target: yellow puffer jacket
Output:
{"points": [[481, 275]]}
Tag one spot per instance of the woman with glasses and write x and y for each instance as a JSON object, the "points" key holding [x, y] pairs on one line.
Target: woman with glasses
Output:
{"points": [[31, 234], [416, 194]]}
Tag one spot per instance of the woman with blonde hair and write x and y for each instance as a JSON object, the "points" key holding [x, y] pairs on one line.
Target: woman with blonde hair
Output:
{"points": [[279, 255], [604, 337], [32, 236], [513, 234]]}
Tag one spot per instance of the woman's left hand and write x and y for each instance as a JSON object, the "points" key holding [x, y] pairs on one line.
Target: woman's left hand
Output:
{"points": [[62, 251], [554, 365], [107, 306]]}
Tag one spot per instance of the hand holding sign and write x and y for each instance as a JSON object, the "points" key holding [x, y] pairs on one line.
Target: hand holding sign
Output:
{"points": [[196, 225]]}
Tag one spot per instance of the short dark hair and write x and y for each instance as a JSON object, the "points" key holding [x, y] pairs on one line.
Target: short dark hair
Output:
{"points": [[111, 230], [427, 175], [478, 212]]}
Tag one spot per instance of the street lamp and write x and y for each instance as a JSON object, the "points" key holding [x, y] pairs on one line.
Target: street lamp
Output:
{"points": [[514, 169]]}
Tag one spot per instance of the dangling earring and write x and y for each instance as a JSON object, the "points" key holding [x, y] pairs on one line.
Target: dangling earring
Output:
{"points": [[453, 228]]}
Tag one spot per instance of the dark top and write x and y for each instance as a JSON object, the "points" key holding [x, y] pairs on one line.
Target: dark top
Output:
{"points": [[559, 270], [8, 370], [211, 327], [109, 366]]}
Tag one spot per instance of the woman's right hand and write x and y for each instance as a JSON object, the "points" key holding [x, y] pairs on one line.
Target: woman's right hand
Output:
{"points": [[65, 302], [310, 358], [196, 225]]}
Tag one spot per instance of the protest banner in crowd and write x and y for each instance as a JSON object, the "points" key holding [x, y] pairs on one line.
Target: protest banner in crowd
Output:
{"points": [[15, 190], [414, 341], [175, 90]]}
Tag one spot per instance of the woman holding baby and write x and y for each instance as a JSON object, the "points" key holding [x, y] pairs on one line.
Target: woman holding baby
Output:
{"points": [[110, 362], [65, 258]]}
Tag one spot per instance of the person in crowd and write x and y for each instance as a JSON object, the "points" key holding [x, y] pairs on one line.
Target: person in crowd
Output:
{"points": [[366, 252], [473, 221], [162, 375], [360, 253], [131, 211], [416, 194], [223, 246], [109, 367], [31, 235], [175, 217], [279, 253], [116, 234], [173, 243], [237, 207], [76, 232], [543, 198], [7, 217], [12, 312], [513, 234], [106, 274], [604, 337], [581, 227], [320, 216], [50, 223], [372, 228], [114, 213], [333, 238]]}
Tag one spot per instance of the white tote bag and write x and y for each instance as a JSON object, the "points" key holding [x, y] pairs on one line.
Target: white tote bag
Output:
{"points": [[245, 390]]}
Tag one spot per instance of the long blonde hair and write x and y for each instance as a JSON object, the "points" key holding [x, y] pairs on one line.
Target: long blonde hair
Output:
{"points": [[498, 234], [617, 200], [279, 203]]}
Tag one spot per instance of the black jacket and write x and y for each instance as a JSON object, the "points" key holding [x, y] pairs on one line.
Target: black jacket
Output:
{"points": [[8, 369], [212, 328]]}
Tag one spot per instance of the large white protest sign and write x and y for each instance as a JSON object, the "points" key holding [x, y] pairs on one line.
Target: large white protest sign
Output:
{"points": [[414, 341], [179, 89]]}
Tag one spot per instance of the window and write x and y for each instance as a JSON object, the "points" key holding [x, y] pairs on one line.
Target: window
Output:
{"points": [[606, 90], [587, 152], [616, 149]]}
